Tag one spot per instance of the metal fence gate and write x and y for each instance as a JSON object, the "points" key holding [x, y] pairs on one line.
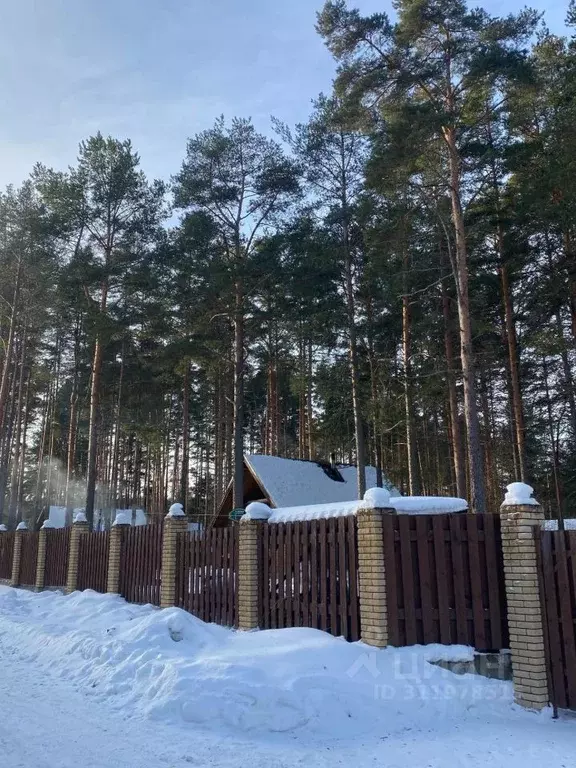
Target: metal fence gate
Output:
{"points": [[557, 555]]}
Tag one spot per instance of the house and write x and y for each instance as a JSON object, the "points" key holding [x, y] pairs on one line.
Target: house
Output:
{"points": [[281, 482]]}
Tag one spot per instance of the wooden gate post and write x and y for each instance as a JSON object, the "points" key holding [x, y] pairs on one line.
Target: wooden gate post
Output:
{"points": [[41, 557], [175, 523], [521, 515], [249, 566], [80, 527], [121, 521], [372, 567], [21, 530]]}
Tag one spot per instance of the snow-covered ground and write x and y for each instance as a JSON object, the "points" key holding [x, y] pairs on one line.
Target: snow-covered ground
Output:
{"points": [[94, 681]]}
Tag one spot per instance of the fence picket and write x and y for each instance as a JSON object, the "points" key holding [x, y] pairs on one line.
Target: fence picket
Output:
{"points": [[475, 582], [428, 633]]}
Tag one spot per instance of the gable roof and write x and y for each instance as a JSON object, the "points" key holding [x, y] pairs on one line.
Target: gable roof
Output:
{"points": [[293, 482]]}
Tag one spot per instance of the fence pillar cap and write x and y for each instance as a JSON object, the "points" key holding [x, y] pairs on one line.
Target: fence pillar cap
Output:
{"points": [[123, 517], [80, 517], [256, 510], [376, 498], [519, 495], [3, 528], [46, 524], [22, 526], [176, 510]]}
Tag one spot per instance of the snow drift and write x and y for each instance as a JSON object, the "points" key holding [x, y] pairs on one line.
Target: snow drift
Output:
{"points": [[170, 666]]}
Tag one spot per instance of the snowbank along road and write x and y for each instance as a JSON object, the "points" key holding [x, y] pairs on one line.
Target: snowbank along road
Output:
{"points": [[91, 680]]}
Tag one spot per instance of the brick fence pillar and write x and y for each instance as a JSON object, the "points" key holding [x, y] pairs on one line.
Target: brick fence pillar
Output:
{"points": [[80, 527], [372, 567], [41, 558], [21, 530], [249, 565], [175, 523], [521, 515], [122, 521]]}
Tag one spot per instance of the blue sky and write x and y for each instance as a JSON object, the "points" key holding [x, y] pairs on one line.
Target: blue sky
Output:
{"points": [[158, 71]]}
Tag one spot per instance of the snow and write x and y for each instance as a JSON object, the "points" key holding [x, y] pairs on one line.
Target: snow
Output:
{"points": [[22, 526], [47, 524], [313, 512], [429, 505], [376, 498], [553, 525], [519, 493], [123, 517], [134, 685], [176, 510], [80, 517], [411, 505], [57, 516], [3, 528], [257, 510], [291, 482]]}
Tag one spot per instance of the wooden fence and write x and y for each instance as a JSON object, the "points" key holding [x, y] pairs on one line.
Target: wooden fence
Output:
{"points": [[28, 558], [557, 560], [206, 574], [445, 580], [141, 559], [93, 556], [6, 554], [309, 576], [57, 551]]}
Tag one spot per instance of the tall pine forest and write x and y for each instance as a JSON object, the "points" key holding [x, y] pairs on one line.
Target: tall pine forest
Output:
{"points": [[391, 283]]}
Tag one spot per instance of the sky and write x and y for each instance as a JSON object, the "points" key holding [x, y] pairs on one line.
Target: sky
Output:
{"points": [[159, 71]]}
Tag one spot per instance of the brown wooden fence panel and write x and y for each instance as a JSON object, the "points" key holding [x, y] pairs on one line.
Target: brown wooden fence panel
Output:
{"points": [[557, 558], [309, 576], [6, 554], [206, 574], [57, 551], [28, 558], [141, 564], [93, 556], [445, 580]]}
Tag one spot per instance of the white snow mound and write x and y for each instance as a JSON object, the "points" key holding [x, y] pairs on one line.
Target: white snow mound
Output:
{"points": [[170, 666]]}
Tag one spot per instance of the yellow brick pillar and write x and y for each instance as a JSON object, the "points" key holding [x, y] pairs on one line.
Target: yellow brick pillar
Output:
{"points": [[21, 531], [372, 567], [249, 565], [521, 515], [175, 523], [80, 528], [122, 521], [41, 558]]}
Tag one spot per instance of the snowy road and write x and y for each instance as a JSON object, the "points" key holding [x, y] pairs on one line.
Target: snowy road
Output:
{"points": [[92, 682]]}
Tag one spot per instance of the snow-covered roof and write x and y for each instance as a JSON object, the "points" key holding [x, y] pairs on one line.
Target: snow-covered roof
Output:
{"points": [[291, 482], [410, 505]]}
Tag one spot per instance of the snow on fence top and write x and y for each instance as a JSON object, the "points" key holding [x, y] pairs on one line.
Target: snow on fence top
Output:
{"points": [[553, 525], [519, 494], [410, 505]]}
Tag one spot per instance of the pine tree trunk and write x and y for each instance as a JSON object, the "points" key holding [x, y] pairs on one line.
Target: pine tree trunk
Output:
{"points": [[185, 437], [458, 458], [19, 445], [517, 404], [5, 379], [553, 446], [309, 410], [238, 451], [94, 416], [477, 485], [414, 483]]}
